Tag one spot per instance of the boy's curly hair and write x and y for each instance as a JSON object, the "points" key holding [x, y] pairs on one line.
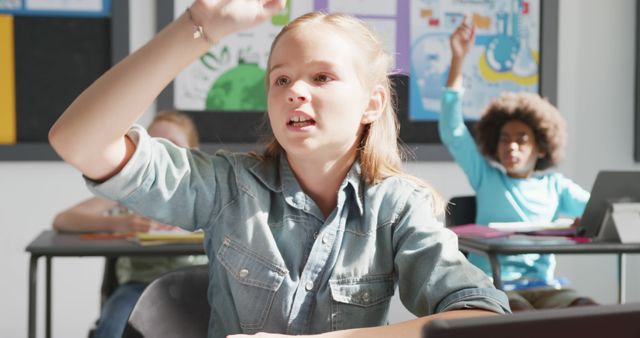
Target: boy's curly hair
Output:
{"points": [[548, 126]]}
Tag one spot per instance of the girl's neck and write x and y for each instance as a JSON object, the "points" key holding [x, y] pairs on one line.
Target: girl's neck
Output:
{"points": [[321, 178]]}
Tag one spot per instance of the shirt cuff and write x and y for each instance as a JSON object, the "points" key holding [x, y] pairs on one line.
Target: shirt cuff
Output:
{"points": [[130, 178], [487, 299]]}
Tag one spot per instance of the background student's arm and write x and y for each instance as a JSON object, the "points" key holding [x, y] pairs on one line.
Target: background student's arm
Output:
{"points": [[573, 198], [90, 134], [461, 41], [91, 215], [453, 132]]}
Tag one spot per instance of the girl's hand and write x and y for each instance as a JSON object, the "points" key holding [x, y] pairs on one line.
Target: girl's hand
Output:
{"points": [[462, 39], [222, 17]]}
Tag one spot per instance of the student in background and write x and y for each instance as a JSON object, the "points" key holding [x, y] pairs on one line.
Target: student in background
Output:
{"points": [[519, 136], [102, 215], [313, 235]]}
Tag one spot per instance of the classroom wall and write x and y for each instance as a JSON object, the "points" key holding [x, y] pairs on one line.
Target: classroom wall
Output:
{"points": [[595, 93]]}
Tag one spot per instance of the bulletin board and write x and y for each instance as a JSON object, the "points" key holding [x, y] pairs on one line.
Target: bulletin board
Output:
{"points": [[54, 51], [636, 148], [514, 50]]}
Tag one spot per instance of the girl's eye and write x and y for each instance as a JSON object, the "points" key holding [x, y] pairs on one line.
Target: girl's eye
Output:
{"points": [[322, 78], [281, 81]]}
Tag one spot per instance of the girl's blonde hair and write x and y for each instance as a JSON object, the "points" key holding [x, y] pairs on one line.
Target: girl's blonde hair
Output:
{"points": [[379, 151], [183, 121]]}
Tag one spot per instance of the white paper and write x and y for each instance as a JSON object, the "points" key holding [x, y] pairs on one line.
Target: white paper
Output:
{"points": [[626, 217], [531, 226]]}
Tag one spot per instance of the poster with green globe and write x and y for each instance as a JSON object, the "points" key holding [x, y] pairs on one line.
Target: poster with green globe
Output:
{"points": [[230, 76]]}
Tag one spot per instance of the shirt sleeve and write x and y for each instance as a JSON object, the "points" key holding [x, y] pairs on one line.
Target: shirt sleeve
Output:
{"points": [[456, 137], [433, 275], [573, 198], [165, 182]]}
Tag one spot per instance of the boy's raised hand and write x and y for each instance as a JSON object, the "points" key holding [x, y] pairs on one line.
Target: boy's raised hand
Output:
{"points": [[461, 41], [222, 17], [463, 38]]}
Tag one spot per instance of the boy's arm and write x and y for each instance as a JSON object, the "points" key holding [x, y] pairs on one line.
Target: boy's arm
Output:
{"points": [[90, 134], [452, 130], [461, 41]]}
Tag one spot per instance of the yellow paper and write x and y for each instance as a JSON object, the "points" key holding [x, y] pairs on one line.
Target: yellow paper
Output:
{"points": [[7, 82], [170, 236]]}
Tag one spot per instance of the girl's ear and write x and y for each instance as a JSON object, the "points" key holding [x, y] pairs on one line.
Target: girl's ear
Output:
{"points": [[377, 102]]}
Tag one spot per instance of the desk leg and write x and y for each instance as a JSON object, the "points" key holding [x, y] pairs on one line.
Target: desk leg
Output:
{"points": [[48, 300], [622, 278], [495, 271], [33, 278]]}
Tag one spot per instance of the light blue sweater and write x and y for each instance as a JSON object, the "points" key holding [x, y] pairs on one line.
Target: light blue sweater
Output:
{"points": [[500, 198]]}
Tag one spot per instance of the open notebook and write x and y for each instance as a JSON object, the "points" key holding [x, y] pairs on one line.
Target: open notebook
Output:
{"points": [[560, 224]]}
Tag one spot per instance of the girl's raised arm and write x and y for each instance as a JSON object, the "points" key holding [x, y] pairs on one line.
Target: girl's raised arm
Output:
{"points": [[90, 134]]}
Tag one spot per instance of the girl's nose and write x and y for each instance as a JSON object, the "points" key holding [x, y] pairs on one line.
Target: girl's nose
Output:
{"points": [[298, 93], [293, 98]]}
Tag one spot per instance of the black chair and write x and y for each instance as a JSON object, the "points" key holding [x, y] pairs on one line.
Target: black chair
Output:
{"points": [[460, 210], [173, 305]]}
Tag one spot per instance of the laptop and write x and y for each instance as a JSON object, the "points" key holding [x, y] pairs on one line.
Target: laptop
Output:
{"points": [[609, 187], [598, 321]]}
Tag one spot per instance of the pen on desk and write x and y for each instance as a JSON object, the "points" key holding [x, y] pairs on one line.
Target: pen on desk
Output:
{"points": [[107, 235]]}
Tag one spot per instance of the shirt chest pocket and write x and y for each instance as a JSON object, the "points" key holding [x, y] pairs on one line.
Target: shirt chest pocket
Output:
{"points": [[253, 282], [360, 302]]}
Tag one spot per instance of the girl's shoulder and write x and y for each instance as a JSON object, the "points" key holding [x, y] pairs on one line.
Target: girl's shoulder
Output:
{"points": [[401, 188], [398, 194], [237, 160]]}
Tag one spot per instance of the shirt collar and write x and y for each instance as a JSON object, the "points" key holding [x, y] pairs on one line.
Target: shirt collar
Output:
{"points": [[280, 178], [354, 179]]}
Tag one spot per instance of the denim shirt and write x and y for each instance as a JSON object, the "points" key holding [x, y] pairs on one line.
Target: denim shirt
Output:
{"points": [[276, 264]]}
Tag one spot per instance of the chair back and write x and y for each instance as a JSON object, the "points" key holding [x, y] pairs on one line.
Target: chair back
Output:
{"points": [[460, 210], [173, 305]]}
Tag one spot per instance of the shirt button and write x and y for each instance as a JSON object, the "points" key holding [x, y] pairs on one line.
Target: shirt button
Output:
{"points": [[308, 286], [243, 273], [365, 296], [325, 239]]}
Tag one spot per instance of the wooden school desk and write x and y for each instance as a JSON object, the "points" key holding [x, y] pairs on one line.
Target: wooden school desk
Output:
{"points": [[51, 244], [492, 247]]}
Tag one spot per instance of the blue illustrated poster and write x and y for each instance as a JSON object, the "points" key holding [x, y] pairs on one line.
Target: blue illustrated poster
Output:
{"points": [[505, 57]]}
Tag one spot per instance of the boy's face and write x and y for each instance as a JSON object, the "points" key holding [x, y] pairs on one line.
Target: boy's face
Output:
{"points": [[316, 100], [517, 149]]}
